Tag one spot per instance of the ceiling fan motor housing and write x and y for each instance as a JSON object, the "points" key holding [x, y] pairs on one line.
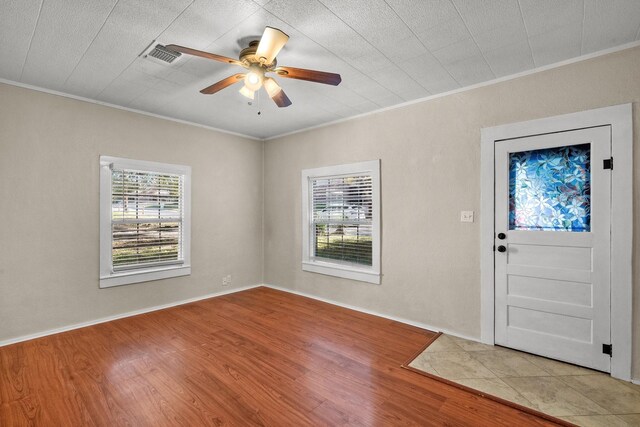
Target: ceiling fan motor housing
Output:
{"points": [[248, 56]]}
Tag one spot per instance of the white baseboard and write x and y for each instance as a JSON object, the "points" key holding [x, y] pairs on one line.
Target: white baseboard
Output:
{"points": [[216, 294], [231, 291], [375, 313], [386, 316], [120, 316]]}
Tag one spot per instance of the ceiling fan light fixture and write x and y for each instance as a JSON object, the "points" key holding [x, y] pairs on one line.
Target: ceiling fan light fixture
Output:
{"points": [[245, 91], [272, 87], [271, 42], [253, 79]]}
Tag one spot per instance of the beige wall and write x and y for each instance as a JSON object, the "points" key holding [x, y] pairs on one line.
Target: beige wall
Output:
{"points": [[49, 186], [430, 159], [49, 149]]}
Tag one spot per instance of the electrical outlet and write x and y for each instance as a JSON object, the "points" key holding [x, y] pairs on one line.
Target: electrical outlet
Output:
{"points": [[466, 216], [226, 280]]}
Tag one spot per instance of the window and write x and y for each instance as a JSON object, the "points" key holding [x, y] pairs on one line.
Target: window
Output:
{"points": [[341, 221], [550, 189], [144, 221]]}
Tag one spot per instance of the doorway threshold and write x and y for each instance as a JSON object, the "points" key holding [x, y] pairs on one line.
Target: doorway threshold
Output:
{"points": [[571, 393]]}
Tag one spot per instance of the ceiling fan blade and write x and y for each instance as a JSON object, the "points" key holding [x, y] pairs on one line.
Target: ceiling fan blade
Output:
{"points": [[216, 87], [281, 99], [194, 52], [271, 42], [309, 75]]}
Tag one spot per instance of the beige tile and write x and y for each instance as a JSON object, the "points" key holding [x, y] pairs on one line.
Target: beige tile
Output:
{"points": [[630, 419], [468, 345], [495, 387], [597, 421], [618, 397], [580, 395], [421, 363], [554, 397], [556, 368], [457, 365], [508, 364], [443, 343]]}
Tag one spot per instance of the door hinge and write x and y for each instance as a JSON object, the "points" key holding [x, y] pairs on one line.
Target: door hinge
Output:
{"points": [[607, 349], [607, 163], [494, 248]]}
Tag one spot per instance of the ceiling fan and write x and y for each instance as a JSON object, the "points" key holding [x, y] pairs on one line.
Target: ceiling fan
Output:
{"points": [[260, 58]]}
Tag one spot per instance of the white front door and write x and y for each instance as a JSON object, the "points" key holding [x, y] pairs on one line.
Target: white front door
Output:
{"points": [[552, 240]]}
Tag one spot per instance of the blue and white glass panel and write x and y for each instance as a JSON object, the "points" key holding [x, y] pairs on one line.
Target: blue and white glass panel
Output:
{"points": [[550, 189]]}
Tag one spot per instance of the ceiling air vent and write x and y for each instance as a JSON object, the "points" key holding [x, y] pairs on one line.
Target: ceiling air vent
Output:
{"points": [[159, 53]]}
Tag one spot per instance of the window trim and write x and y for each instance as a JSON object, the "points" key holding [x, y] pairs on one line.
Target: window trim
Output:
{"points": [[325, 266], [108, 277]]}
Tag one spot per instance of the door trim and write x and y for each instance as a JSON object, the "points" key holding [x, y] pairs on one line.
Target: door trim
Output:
{"points": [[619, 118]]}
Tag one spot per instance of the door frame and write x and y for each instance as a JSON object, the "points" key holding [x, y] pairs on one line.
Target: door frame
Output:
{"points": [[619, 118]]}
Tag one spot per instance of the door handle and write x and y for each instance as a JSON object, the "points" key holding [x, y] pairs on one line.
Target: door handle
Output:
{"points": [[502, 236], [502, 248]]}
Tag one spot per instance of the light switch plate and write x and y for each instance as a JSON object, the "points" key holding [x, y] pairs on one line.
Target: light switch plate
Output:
{"points": [[466, 216]]}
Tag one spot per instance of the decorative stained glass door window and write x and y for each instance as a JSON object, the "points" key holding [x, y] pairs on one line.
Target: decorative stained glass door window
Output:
{"points": [[550, 189]]}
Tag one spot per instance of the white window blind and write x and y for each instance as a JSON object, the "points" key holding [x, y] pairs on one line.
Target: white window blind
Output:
{"points": [[147, 212], [341, 221], [145, 221], [342, 218]]}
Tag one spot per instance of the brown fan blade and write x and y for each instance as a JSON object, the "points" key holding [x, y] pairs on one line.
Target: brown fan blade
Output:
{"points": [[194, 52], [271, 42], [216, 87], [281, 99], [310, 75]]}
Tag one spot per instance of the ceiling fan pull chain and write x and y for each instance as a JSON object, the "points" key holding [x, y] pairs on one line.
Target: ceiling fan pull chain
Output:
{"points": [[259, 103]]}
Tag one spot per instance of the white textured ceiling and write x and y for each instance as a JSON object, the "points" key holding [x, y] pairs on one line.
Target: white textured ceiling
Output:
{"points": [[387, 51]]}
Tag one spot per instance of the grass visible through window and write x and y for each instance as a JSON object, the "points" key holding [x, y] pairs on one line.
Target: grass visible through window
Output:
{"points": [[343, 247]]}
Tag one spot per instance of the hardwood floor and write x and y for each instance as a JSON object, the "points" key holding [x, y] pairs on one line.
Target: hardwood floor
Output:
{"points": [[258, 357]]}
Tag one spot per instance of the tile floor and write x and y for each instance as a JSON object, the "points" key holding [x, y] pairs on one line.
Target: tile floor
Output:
{"points": [[578, 395]]}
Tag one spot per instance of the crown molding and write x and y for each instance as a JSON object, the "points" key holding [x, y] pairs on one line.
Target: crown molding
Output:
{"points": [[120, 107], [467, 88]]}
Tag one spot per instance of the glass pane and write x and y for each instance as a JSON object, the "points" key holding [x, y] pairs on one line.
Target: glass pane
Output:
{"points": [[550, 189], [146, 215], [142, 243], [342, 209], [145, 195], [349, 243]]}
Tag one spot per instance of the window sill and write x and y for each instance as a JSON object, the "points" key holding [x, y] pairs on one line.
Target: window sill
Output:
{"points": [[137, 276], [338, 270]]}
